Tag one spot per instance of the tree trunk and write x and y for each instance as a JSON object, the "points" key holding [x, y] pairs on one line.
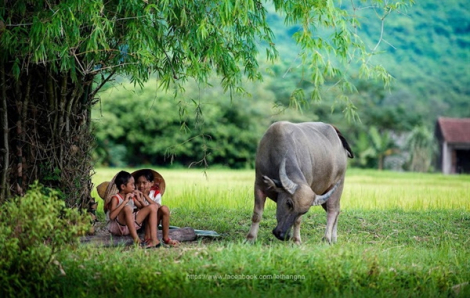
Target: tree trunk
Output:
{"points": [[5, 149], [45, 116], [381, 162]]}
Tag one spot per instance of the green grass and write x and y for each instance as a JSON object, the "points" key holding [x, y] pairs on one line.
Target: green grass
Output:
{"points": [[399, 234]]}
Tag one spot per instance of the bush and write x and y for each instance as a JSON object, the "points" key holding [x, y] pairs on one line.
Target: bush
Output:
{"points": [[33, 229]]}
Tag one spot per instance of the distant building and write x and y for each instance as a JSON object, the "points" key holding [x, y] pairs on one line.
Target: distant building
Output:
{"points": [[453, 135]]}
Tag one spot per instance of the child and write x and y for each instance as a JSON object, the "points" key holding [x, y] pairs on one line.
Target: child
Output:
{"points": [[122, 220], [148, 183]]}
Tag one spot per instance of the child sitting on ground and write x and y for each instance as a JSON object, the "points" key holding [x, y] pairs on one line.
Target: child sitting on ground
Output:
{"points": [[120, 214], [148, 184]]}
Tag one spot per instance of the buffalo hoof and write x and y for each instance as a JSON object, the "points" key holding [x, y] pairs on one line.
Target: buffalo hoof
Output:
{"points": [[326, 240], [250, 239]]}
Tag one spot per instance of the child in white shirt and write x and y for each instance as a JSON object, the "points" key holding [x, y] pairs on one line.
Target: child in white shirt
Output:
{"points": [[148, 183]]}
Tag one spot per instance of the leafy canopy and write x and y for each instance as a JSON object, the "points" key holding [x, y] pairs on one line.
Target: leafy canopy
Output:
{"points": [[182, 39]]}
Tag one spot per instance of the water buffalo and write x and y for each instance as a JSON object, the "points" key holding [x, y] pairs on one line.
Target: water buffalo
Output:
{"points": [[299, 165]]}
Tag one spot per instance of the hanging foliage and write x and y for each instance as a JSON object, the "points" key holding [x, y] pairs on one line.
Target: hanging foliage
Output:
{"points": [[56, 55]]}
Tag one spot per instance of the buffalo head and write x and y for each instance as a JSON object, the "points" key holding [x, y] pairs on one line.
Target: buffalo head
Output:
{"points": [[293, 200]]}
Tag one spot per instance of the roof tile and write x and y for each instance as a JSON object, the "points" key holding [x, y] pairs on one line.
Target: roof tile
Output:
{"points": [[455, 130]]}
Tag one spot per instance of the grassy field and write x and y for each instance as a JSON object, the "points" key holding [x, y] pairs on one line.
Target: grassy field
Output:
{"points": [[399, 234]]}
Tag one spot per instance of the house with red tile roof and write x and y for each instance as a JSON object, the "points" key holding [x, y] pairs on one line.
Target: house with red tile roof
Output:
{"points": [[453, 135]]}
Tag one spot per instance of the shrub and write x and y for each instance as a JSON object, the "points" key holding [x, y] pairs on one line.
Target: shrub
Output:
{"points": [[33, 228]]}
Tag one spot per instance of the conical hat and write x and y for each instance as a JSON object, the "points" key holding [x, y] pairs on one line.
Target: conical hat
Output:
{"points": [[101, 189], [107, 190], [157, 178]]}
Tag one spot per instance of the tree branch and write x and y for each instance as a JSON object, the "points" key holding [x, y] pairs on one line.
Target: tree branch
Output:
{"points": [[93, 93]]}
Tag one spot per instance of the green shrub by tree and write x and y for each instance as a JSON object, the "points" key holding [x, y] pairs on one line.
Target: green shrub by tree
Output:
{"points": [[33, 229]]}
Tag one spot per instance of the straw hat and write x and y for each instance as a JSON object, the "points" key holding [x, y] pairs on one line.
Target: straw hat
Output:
{"points": [[107, 190], [157, 178], [101, 189]]}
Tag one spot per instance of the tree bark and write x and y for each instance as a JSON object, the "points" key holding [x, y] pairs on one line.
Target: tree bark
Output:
{"points": [[53, 140], [5, 151]]}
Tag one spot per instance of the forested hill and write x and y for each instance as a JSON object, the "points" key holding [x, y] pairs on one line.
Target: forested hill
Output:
{"points": [[426, 47]]}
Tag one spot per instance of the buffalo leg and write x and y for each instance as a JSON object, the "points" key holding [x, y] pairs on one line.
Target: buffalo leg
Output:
{"points": [[334, 235], [332, 207], [331, 220], [297, 239], [260, 200]]}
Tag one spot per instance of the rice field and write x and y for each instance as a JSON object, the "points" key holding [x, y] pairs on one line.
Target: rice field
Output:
{"points": [[372, 190], [364, 189]]}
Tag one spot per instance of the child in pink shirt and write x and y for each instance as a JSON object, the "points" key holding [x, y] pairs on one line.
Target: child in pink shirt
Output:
{"points": [[120, 214]]}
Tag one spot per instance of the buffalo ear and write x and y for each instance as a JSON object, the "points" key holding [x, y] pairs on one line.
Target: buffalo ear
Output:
{"points": [[273, 183]]}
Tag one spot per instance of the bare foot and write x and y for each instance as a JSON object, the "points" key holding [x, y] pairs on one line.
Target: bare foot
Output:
{"points": [[171, 242], [153, 244]]}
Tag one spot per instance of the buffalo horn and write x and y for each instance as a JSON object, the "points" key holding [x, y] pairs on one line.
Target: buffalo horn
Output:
{"points": [[323, 198], [287, 184]]}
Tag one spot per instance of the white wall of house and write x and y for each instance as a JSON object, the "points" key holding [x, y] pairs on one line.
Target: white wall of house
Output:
{"points": [[446, 158]]}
